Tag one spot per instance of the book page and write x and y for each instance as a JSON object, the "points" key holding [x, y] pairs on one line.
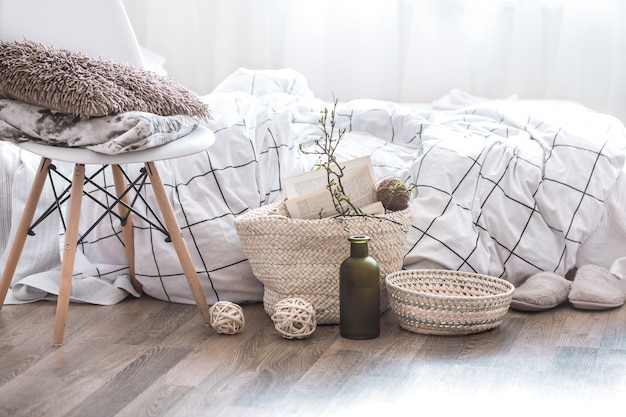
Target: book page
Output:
{"points": [[359, 185], [306, 182]]}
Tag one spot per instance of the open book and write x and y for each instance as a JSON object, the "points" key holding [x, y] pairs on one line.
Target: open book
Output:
{"points": [[308, 196]]}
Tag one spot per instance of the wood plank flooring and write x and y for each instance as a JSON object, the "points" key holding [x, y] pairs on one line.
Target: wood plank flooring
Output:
{"points": [[145, 357]]}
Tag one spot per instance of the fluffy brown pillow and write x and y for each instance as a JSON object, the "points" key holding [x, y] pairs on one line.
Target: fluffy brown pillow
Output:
{"points": [[74, 83]]}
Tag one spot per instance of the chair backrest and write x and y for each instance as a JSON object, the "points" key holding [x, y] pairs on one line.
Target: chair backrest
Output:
{"points": [[98, 28]]}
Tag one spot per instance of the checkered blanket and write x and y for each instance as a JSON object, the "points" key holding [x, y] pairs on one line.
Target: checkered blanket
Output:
{"points": [[503, 187]]}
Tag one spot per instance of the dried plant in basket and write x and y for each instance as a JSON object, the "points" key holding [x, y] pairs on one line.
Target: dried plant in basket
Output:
{"points": [[391, 192]]}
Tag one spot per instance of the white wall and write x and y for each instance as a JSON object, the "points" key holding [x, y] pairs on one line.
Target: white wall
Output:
{"points": [[401, 50]]}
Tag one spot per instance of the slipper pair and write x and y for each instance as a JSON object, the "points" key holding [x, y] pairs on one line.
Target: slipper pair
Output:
{"points": [[593, 288]]}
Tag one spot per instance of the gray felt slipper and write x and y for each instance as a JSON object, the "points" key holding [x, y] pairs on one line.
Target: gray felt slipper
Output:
{"points": [[595, 288], [542, 291]]}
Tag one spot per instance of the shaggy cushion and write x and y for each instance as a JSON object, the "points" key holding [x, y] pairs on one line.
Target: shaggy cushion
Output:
{"points": [[74, 83]]}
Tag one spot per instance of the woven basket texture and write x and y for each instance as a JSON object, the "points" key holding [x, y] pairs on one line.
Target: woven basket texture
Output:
{"points": [[301, 258], [443, 302]]}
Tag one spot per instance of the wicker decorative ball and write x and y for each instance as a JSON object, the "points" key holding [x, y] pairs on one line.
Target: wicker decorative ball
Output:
{"points": [[294, 318], [227, 317]]}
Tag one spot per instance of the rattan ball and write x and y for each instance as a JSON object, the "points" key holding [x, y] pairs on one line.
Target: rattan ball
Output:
{"points": [[227, 317], [294, 318]]}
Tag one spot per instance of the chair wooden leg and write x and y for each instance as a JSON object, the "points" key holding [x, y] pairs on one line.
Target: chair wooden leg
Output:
{"points": [[127, 228], [69, 253], [177, 239], [23, 228]]}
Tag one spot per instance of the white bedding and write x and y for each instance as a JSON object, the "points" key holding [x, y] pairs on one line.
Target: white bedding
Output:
{"points": [[504, 187]]}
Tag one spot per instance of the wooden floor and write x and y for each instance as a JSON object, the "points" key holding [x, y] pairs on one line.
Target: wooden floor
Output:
{"points": [[145, 357]]}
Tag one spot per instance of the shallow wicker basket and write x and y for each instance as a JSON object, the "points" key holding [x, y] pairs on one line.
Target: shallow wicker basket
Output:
{"points": [[443, 302], [301, 258]]}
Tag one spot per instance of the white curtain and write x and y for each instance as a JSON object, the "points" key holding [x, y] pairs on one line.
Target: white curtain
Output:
{"points": [[400, 50]]}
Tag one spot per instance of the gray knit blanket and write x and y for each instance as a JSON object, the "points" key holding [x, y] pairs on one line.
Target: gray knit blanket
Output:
{"points": [[123, 132]]}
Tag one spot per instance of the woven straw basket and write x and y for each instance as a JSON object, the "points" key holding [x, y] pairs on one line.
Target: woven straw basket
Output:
{"points": [[443, 302], [301, 258]]}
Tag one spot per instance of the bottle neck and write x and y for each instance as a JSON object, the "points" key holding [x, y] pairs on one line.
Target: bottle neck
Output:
{"points": [[358, 246]]}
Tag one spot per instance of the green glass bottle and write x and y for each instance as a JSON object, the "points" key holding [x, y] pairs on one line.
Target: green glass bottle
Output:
{"points": [[359, 292]]}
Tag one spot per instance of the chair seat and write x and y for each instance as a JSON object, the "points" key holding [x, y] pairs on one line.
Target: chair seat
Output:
{"points": [[200, 139]]}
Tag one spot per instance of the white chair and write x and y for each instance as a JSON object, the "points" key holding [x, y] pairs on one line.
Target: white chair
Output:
{"points": [[97, 28]]}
